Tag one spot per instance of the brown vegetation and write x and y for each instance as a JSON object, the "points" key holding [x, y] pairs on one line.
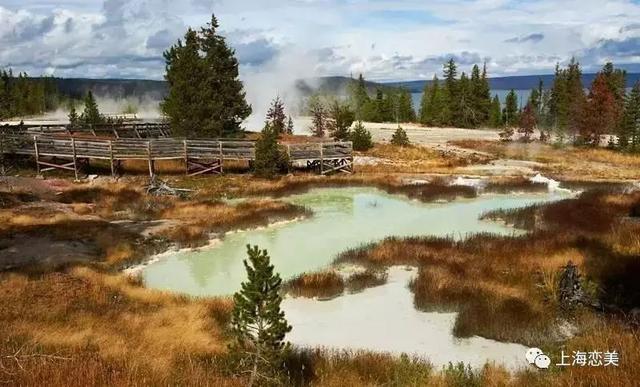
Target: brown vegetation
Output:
{"points": [[325, 284], [567, 163]]}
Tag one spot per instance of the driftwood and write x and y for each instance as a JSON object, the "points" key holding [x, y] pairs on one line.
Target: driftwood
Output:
{"points": [[158, 187]]}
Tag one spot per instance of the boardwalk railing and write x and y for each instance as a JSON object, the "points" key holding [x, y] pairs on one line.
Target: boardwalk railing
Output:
{"points": [[125, 130], [200, 156]]}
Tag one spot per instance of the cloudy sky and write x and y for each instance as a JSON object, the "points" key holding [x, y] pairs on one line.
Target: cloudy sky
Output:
{"points": [[384, 39]]}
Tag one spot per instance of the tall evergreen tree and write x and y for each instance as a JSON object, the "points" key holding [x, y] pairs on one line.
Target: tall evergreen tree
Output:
{"points": [[465, 116], [318, 117], [276, 116], [510, 112], [340, 121], [451, 95], [91, 115], [616, 81], [495, 114], [527, 122], [206, 98], [74, 119], [432, 105], [406, 112], [479, 101], [258, 324], [289, 129], [629, 138], [600, 113], [360, 97]]}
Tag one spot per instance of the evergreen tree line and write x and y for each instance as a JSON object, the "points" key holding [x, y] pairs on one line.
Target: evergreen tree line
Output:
{"points": [[463, 101], [567, 111], [22, 95], [388, 105]]}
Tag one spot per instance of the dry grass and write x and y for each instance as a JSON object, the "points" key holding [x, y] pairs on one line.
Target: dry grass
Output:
{"points": [[199, 220], [102, 328], [568, 163], [239, 186], [414, 159], [366, 279], [324, 285]]}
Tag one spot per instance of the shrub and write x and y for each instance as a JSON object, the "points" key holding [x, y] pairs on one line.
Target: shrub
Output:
{"points": [[400, 137], [270, 159], [361, 138]]}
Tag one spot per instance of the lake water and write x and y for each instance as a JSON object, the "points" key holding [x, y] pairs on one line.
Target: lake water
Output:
{"points": [[379, 319]]}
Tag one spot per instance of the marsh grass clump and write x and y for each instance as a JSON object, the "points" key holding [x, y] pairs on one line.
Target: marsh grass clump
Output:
{"points": [[366, 279], [510, 185], [522, 218], [201, 219], [325, 285]]}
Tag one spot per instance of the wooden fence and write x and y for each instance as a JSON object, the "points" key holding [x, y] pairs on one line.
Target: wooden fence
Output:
{"points": [[200, 156]]}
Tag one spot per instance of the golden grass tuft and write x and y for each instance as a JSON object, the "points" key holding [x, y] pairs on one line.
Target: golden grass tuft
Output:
{"points": [[325, 284]]}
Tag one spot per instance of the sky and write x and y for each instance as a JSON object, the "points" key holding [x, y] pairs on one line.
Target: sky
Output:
{"points": [[385, 40]]}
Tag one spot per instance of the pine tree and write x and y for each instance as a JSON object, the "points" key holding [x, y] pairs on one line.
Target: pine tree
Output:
{"points": [[432, 105], [269, 158], [406, 112], [340, 121], [577, 98], [510, 112], [276, 116], [289, 130], [91, 115], [73, 116], [479, 105], [616, 81], [528, 122], [257, 322], [629, 137], [451, 96], [318, 117], [600, 113], [400, 138], [484, 96], [361, 138], [206, 98], [465, 116], [495, 114], [360, 97]]}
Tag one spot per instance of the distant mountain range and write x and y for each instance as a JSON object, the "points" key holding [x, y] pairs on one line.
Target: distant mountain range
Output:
{"points": [[156, 90]]}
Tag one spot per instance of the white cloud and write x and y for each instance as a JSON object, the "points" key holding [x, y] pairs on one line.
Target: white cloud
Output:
{"points": [[385, 39]]}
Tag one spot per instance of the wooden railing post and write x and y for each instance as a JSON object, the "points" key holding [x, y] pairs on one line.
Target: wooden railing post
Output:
{"points": [[150, 159], [221, 155], [113, 169], [321, 158], [75, 162], [186, 156], [35, 145]]}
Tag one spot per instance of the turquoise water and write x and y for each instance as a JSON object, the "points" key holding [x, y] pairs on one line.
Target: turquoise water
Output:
{"points": [[343, 218]]}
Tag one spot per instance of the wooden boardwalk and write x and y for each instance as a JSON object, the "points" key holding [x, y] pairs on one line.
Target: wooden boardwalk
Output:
{"points": [[200, 156]]}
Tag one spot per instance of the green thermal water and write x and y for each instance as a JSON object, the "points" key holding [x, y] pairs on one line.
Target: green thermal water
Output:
{"points": [[343, 218]]}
